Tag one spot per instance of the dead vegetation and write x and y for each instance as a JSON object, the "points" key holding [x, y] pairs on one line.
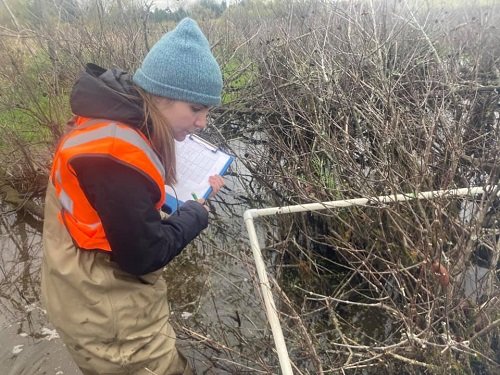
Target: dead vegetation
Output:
{"points": [[324, 101]]}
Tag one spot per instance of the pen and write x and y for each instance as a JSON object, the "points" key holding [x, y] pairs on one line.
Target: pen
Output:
{"points": [[195, 197]]}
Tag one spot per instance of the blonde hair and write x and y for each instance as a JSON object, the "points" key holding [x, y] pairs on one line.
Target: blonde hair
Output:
{"points": [[160, 135]]}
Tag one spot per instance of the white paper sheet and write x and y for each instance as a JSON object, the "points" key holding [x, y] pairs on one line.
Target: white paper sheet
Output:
{"points": [[195, 163]]}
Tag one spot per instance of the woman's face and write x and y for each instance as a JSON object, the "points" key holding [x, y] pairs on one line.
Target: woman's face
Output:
{"points": [[184, 118]]}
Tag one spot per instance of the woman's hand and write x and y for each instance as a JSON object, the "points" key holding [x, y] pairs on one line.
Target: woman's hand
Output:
{"points": [[203, 202], [216, 182]]}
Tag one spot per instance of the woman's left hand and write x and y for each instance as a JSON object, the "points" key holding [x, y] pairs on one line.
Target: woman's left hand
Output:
{"points": [[216, 182]]}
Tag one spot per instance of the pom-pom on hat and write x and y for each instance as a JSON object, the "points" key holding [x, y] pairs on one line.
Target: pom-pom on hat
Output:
{"points": [[180, 66]]}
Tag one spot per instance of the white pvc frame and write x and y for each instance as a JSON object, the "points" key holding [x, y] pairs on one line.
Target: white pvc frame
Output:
{"points": [[249, 215]]}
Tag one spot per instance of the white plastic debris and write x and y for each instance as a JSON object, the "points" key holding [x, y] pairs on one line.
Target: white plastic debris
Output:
{"points": [[31, 307], [17, 349], [49, 334]]}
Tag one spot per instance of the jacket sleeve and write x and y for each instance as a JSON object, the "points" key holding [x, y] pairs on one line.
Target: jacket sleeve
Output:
{"points": [[125, 199]]}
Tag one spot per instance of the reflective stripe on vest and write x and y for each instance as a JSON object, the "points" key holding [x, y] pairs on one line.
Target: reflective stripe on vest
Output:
{"points": [[125, 134], [102, 138], [66, 201]]}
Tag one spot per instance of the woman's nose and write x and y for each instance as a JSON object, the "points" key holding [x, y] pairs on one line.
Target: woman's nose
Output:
{"points": [[201, 121]]}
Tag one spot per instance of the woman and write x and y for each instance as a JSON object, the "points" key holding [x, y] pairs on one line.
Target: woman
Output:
{"points": [[105, 243]]}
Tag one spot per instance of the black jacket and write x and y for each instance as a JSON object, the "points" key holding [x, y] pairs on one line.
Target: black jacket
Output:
{"points": [[124, 198]]}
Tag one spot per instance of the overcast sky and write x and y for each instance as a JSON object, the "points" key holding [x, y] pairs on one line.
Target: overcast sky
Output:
{"points": [[177, 3], [172, 3]]}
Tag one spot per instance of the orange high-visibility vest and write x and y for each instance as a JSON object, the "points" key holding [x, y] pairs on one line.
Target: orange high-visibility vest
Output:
{"points": [[104, 138]]}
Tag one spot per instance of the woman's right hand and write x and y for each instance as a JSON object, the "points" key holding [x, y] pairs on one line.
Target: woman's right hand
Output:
{"points": [[216, 182], [204, 203]]}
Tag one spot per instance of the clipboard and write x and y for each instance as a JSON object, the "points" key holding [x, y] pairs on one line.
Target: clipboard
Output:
{"points": [[196, 160]]}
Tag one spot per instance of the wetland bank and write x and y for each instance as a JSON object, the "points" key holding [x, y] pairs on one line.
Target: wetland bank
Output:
{"points": [[323, 101]]}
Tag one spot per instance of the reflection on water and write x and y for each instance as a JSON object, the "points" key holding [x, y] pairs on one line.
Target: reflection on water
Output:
{"points": [[475, 283], [19, 266], [28, 343]]}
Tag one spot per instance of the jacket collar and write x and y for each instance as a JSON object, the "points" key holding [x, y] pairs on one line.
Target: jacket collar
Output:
{"points": [[109, 94]]}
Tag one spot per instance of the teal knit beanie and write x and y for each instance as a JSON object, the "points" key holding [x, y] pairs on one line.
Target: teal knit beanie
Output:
{"points": [[181, 66]]}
